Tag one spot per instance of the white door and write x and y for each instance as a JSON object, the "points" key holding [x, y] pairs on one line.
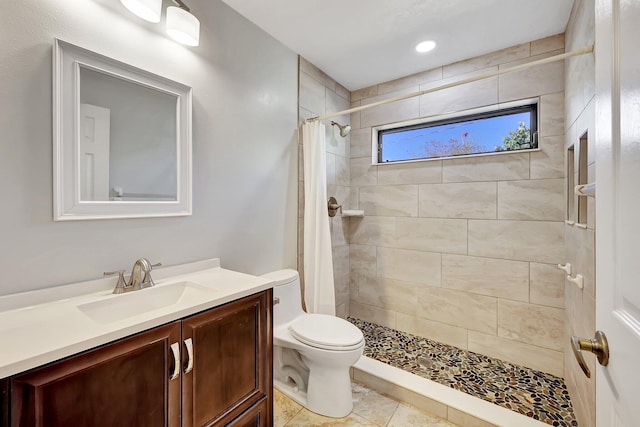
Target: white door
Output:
{"points": [[94, 152], [618, 209]]}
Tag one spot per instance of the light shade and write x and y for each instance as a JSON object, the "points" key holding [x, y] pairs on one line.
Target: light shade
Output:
{"points": [[182, 26], [426, 46], [149, 10]]}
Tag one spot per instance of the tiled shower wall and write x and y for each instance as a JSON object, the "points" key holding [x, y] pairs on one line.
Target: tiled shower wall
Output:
{"points": [[580, 239], [319, 94], [463, 251]]}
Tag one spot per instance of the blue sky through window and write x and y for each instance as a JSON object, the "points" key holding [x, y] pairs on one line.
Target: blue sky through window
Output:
{"points": [[481, 135]]}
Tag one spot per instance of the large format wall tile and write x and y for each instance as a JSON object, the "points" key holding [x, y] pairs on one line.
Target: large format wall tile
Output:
{"points": [[541, 200], [549, 161], [373, 314], [365, 92], [486, 276], [342, 168], [432, 234], [411, 266], [437, 331], [501, 167], [410, 81], [363, 259], [551, 115], [378, 231], [362, 172], [542, 359], [547, 285], [390, 200], [341, 274], [531, 324], [389, 294], [458, 200], [361, 143], [458, 98], [410, 173], [534, 81], [394, 112], [315, 72], [539, 241], [480, 62], [474, 312], [312, 94], [547, 44]]}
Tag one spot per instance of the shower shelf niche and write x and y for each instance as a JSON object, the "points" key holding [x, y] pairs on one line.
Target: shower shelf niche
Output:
{"points": [[353, 212]]}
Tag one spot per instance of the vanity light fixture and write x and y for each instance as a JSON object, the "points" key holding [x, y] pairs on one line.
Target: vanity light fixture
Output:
{"points": [[425, 46], [182, 26], [149, 10]]}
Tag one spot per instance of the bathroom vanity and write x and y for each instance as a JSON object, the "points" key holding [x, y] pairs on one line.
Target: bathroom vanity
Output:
{"points": [[206, 361]]}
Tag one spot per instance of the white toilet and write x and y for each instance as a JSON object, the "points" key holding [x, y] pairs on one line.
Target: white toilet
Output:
{"points": [[312, 353]]}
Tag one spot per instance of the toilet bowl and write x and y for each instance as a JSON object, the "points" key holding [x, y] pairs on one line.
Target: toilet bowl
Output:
{"points": [[312, 353]]}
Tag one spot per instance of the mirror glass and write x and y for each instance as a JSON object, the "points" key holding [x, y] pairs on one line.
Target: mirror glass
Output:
{"points": [[127, 140], [122, 139]]}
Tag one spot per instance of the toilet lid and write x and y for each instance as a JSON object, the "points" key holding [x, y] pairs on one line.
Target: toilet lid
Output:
{"points": [[328, 332]]}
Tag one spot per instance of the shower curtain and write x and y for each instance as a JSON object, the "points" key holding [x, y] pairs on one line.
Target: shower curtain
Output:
{"points": [[319, 294]]}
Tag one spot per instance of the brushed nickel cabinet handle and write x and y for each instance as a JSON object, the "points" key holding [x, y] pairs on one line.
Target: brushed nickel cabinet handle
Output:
{"points": [[598, 346], [175, 349], [189, 344]]}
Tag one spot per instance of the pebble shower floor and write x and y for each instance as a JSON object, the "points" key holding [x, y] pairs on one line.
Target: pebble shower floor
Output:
{"points": [[533, 393]]}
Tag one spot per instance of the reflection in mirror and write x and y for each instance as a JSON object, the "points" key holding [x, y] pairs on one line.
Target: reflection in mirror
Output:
{"points": [[121, 140], [127, 140]]}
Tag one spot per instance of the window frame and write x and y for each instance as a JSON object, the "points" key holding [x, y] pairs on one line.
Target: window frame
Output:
{"points": [[496, 110]]}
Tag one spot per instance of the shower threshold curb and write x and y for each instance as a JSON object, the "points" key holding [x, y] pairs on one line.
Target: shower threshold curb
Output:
{"points": [[458, 400]]}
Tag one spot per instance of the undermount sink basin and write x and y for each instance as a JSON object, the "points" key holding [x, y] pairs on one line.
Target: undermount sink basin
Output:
{"points": [[135, 303]]}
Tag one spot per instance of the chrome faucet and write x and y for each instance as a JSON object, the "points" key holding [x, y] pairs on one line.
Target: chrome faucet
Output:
{"points": [[140, 277]]}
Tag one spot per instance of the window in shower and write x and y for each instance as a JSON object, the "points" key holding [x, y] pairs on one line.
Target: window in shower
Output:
{"points": [[484, 131]]}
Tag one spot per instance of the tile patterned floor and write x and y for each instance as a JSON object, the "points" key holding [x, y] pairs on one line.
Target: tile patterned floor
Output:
{"points": [[533, 393], [370, 409]]}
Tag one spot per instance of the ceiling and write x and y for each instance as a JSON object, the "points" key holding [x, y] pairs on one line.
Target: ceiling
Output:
{"points": [[364, 42]]}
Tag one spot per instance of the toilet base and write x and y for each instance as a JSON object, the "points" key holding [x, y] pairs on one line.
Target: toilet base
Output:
{"points": [[329, 393], [333, 399]]}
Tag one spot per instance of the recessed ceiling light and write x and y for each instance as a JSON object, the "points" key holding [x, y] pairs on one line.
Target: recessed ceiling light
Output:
{"points": [[425, 46]]}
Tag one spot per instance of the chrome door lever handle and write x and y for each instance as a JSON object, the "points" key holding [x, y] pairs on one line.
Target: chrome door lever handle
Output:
{"points": [[598, 346]]}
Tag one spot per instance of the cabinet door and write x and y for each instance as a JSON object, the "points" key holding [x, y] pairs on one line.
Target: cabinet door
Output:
{"points": [[121, 384], [231, 361], [256, 416]]}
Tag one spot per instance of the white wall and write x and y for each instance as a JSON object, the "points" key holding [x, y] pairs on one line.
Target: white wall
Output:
{"points": [[244, 144]]}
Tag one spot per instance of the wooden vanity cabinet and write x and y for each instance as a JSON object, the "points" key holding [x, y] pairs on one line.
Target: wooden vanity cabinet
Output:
{"points": [[123, 383], [224, 378], [231, 361]]}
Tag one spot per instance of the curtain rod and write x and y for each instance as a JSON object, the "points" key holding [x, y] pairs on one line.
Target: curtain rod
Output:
{"points": [[582, 51]]}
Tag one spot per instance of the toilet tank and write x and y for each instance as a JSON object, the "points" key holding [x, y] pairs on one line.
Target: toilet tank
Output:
{"points": [[286, 290]]}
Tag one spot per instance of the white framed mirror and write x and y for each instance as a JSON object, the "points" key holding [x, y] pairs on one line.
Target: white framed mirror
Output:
{"points": [[122, 139]]}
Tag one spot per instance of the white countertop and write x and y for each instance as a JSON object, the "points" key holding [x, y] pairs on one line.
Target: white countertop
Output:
{"points": [[42, 326]]}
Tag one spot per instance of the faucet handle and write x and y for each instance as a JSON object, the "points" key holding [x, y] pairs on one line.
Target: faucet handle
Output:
{"points": [[121, 285], [147, 281]]}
